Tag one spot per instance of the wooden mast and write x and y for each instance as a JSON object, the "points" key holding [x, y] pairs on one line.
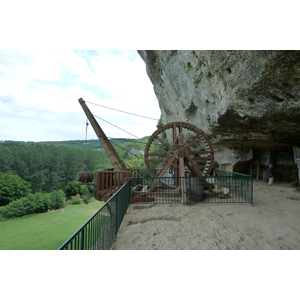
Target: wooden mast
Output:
{"points": [[112, 154]]}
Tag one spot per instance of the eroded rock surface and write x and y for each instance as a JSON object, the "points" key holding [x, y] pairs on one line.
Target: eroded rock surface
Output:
{"points": [[242, 99]]}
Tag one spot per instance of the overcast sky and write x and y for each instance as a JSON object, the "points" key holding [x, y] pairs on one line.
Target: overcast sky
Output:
{"points": [[39, 92]]}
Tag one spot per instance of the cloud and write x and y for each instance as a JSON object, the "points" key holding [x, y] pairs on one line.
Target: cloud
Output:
{"points": [[40, 91]]}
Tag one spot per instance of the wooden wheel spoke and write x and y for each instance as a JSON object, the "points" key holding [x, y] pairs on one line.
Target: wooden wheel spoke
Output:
{"points": [[187, 146], [167, 164], [193, 166], [193, 140], [201, 158], [200, 155], [174, 133], [162, 141]]}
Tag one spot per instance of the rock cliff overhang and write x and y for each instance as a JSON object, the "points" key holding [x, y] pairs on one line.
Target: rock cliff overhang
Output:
{"points": [[239, 98], [245, 101]]}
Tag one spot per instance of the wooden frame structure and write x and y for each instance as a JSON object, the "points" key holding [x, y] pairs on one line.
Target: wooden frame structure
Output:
{"points": [[179, 146]]}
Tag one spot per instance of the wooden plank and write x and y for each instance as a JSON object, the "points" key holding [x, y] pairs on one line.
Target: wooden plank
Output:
{"points": [[141, 199]]}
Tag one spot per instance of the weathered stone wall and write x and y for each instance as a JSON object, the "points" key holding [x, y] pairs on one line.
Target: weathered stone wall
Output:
{"points": [[243, 100]]}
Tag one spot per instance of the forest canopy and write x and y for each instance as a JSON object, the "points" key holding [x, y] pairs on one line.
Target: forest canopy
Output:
{"points": [[49, 167]]}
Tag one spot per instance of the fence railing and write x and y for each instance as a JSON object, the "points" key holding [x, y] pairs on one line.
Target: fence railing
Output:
{"points": [[240, 186], [224, 187], [100, 230]]}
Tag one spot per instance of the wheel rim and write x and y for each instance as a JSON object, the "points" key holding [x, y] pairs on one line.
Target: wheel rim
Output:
{"points": [[178, 147]]}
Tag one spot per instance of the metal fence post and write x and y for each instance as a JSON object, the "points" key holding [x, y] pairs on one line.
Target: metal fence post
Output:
{"points": [[251, 188], [117, 214], [129, 193], [82, 240]]}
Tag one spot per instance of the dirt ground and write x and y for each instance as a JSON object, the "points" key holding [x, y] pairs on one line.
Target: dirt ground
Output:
{"points": [[273, 222]]}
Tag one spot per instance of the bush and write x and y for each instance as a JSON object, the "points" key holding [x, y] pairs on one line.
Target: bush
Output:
{"points": [[76, 199], [58, 199], [86, 194], [72, 189], [34, 203], [14, 209], [2, 208], [44, 202], [30, 204]]}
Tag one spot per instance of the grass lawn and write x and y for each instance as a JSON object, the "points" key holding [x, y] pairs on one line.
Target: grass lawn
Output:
{"points": [[44, 231]]}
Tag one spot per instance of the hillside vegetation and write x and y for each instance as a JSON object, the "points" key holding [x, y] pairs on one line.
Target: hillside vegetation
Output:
{"points": [[78, 144], [37, 188], [49, 166]]}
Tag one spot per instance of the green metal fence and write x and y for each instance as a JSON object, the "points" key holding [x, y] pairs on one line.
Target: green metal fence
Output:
{"points": [[240, 186], [100, 230], [223, 187]]}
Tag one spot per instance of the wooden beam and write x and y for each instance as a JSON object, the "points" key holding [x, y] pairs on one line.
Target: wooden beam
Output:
{"points": [[112, 154]]}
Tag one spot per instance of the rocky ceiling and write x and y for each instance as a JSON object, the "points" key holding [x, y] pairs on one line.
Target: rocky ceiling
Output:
{"points": [[241, 99]]}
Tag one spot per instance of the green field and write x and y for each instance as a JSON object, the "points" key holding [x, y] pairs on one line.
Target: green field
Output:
{"points": [[44, 231]]}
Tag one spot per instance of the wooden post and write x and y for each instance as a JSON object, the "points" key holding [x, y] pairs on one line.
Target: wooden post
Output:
{"points": [[257, 172]]}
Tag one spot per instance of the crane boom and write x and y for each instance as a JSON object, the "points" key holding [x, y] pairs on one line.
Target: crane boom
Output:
{"points": [[112, 154]]}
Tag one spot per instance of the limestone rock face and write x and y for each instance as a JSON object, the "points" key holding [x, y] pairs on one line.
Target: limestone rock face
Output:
{"points": [[242, 99]]}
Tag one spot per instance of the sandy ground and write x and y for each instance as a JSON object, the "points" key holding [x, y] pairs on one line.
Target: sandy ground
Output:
{"points": [[272, 223]]}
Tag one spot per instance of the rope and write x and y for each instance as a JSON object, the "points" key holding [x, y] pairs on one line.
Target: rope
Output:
{"points": [[122, 111], [86, 129], [117, 127], [85, 168], [127, 165]]}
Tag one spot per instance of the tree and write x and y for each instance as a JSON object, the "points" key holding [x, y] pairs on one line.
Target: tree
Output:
{"points": [[12, 187], [46, 167]]}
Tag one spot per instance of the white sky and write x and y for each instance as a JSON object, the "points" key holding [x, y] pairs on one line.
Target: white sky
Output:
{"points": [[39, 88], [39, 92]]}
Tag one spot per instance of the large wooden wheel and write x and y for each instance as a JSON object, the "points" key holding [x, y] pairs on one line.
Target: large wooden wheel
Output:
{"points": [[179, 147]]}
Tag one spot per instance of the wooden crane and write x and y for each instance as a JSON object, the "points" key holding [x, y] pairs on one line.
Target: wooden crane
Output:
{"points": [[117, 163], [178, 146], [110, 180]]}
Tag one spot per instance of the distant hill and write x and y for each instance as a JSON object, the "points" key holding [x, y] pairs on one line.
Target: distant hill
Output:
{"points": [[79, 144], [49, 155]]}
